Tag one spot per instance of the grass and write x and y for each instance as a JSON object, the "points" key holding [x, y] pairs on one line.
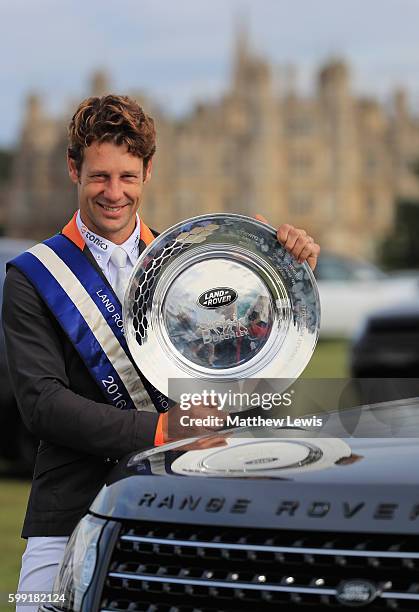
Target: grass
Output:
{"points": [[13, 499], [329, 361]]}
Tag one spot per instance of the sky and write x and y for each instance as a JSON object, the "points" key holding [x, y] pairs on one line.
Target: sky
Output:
{"points": [[179, 51]]}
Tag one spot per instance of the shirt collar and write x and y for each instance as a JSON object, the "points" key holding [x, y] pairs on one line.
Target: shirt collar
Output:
{"points": [[101, 248]]}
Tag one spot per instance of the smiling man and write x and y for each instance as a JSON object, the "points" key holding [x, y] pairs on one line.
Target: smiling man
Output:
{"points": [[76, 385]]}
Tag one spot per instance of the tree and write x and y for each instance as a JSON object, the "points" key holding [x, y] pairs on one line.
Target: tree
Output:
{"points": [[400, 248]]}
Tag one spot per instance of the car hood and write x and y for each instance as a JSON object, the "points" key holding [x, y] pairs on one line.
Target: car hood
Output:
{"points": [[286, 477]]}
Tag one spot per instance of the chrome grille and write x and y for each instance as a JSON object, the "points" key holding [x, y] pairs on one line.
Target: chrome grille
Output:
{"points": [[158, 567]]}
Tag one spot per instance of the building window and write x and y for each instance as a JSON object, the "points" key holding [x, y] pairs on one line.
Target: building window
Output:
{"points": [[301, 204], [371, 206], [371, 164], [188, 164], [299, 126], [301, 163]]}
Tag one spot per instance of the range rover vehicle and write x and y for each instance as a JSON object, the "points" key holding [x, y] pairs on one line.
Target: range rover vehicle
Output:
{"points": [[257, 519]]}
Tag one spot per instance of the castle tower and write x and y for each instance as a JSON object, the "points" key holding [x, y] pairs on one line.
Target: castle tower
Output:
{"points": [[253, 125], [100, 84], [339, 128], [405, 147]]}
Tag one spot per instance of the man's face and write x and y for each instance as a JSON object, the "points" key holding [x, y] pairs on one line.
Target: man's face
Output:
{"points": [[110, 188]]}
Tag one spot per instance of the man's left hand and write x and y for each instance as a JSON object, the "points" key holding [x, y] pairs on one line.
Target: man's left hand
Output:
{"points": [[297, 242]]}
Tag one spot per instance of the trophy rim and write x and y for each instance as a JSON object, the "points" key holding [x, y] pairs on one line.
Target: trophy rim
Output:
{"points": [[167, 357]]}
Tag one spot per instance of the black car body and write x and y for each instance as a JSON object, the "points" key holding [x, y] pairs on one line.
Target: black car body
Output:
{"points": [[387, 344], [267, 519]]}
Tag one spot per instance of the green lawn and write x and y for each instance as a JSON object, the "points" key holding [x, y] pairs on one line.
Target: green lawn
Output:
{"points": [[330, 360], [13, 498]]}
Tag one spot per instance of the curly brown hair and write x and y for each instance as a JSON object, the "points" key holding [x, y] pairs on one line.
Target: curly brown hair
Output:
{"points": [[111, 118]]}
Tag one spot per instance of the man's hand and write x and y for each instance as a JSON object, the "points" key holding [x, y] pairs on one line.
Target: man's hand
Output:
{"points": [[297, 243], [208, 441], [173, 429]]}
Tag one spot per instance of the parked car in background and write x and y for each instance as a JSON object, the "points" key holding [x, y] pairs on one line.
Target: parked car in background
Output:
{"points": [[16, 443], [350, 290], [384, 355], [387, 343]]}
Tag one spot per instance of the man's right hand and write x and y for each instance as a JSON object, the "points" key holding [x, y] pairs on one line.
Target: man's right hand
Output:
{"points": [[174, 430]]}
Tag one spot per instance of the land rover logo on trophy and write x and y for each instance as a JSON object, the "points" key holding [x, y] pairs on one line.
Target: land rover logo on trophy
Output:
{"points": [[356, 593], [219, 296]]}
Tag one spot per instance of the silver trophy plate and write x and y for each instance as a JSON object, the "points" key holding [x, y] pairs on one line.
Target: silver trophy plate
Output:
{"points": [[218, 298]]}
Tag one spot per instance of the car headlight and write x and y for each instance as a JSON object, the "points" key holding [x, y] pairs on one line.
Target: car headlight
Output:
{"points": [[79, 562]]}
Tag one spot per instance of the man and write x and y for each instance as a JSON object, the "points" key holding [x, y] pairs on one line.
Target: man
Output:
{"points": [[63, 348]]}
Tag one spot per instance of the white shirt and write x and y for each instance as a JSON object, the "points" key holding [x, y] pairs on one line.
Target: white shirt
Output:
{"points": [[101, 249]]}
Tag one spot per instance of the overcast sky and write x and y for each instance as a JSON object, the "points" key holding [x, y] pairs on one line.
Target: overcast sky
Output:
{"points": [[179, 51]]}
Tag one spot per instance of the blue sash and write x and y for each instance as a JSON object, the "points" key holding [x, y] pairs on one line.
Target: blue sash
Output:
{"points": [[90, 314]]}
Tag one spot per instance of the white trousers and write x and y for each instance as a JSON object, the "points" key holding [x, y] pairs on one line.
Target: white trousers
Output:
{"points": [[40, 563]]}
